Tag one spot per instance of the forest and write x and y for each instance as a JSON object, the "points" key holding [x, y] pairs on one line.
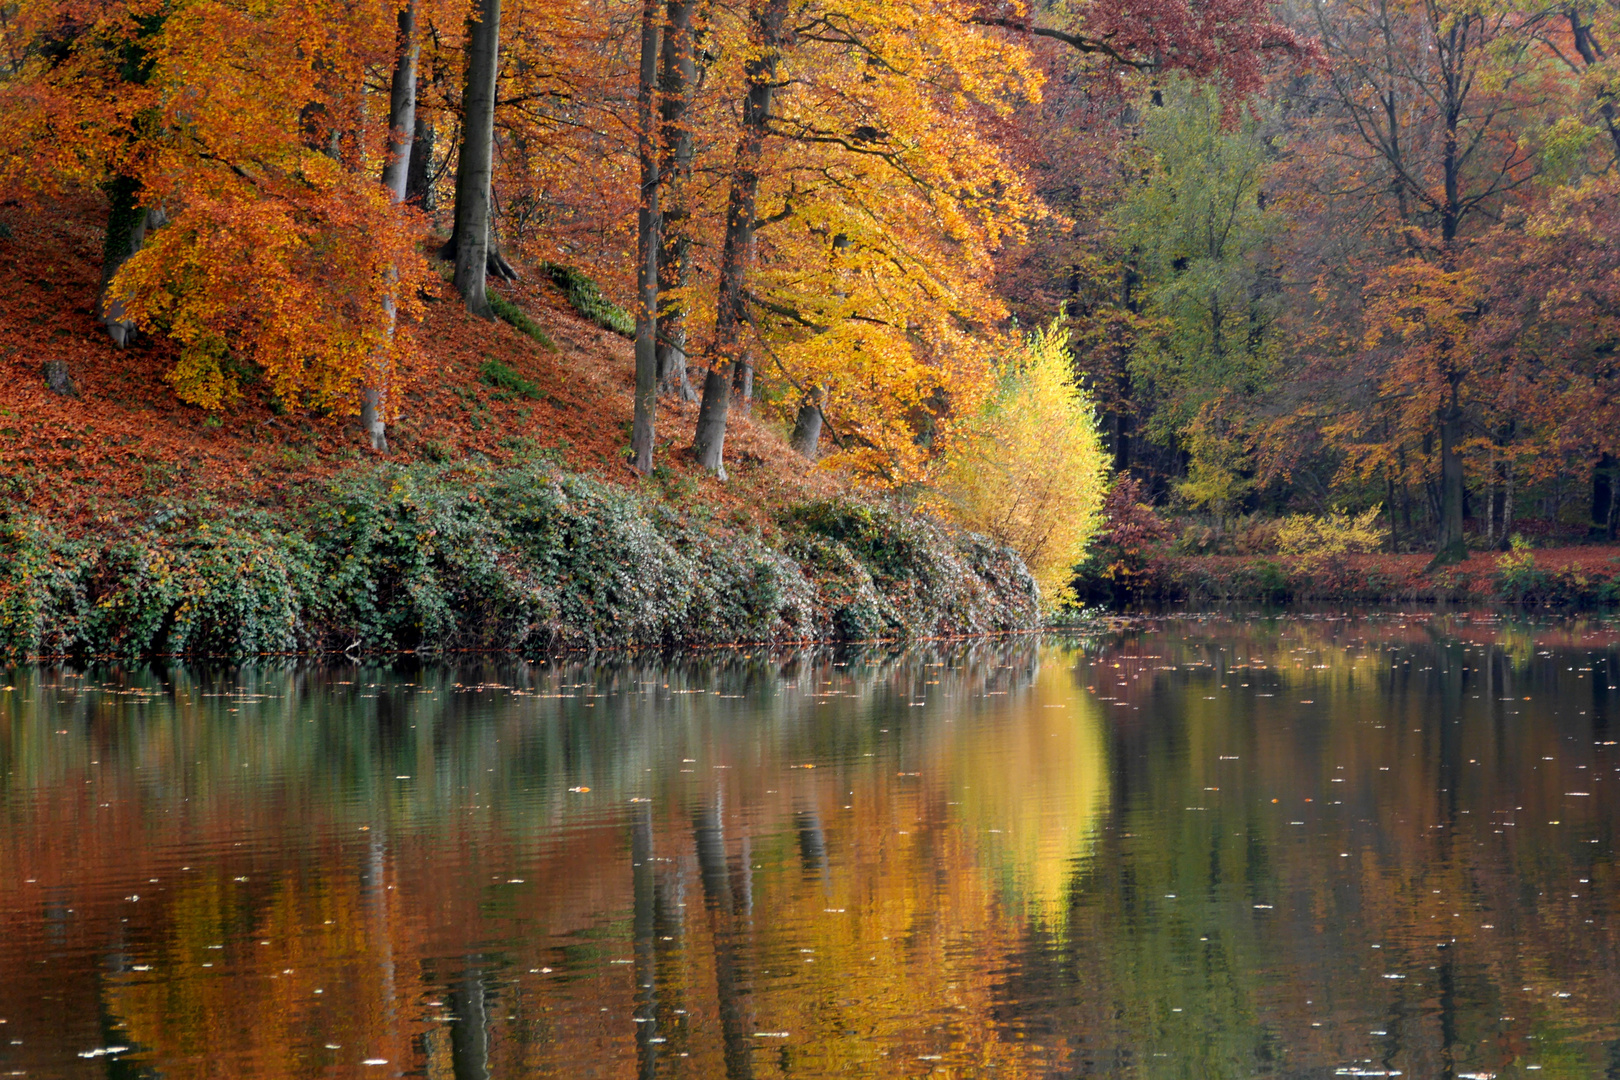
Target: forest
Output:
{"points": [[1284, 280]]}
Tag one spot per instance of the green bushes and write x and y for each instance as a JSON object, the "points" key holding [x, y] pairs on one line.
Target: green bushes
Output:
{"points": [[515, 316], [502, 377], [523, 559], [587, 299], [177, 587]]}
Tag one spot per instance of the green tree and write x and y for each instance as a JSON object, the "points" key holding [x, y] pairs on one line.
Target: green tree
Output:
{"points": [[1198, 230]]}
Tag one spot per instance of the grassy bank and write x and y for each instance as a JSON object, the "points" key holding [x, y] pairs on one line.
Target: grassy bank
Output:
{"points": [[526, 558]]}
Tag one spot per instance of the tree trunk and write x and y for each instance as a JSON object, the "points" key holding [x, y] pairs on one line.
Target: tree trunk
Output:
{"points": [[476, 164], [709, 444], [1602, 495], [1389, 508], [676, 81], [807, 429], [127, 222], [1450, 547], [647, 245], [395, 175], [419, 173], [402, 106], [742, 379], [1490, 501], [1507, 508]]}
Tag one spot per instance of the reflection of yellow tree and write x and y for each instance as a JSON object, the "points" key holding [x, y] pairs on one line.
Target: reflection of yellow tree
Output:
{"points": [[1031, 784], [312, 979]]}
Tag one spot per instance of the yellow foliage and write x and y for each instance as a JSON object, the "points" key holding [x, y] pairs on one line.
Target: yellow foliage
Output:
{"points": [[1329, 534], [199, 377], [1028, 469], [1217, 462]]}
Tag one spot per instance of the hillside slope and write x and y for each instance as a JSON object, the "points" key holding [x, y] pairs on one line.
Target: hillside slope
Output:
{"points": [[125, 441], [505, 518]]}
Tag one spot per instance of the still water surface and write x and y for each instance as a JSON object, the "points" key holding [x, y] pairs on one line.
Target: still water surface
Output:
{"points": [[1291, 847]]}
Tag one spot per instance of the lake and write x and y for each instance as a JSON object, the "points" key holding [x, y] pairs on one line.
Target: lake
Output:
{"points": [[1294, 846]]}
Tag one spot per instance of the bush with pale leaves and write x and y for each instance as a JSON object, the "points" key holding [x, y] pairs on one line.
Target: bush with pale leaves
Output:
{"points": [[1028, 469]]}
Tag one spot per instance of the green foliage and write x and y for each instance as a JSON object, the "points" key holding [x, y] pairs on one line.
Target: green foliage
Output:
{"points": [[1516, 576], [177, 586], [1029, 470], [501, 376], [588, 300], [886, 573], [529, 559], [510, 313], [1197, 229]]}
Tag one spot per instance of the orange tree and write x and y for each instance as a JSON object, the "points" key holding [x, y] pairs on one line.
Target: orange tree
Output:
{"points": [[248, 133]]}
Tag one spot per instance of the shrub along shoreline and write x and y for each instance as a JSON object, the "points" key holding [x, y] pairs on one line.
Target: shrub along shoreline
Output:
{"points": [[524, 559]]}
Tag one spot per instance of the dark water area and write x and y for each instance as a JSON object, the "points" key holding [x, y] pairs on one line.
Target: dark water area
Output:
{"points": [[1301, 846]]}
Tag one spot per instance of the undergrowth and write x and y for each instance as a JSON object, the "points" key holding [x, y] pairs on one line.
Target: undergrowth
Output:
{"points": [[502, 377], [525, 559], [588, 300], [509, 312]]}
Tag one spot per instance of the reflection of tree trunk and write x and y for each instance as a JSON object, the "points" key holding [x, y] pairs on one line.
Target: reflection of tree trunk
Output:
{"points": [[374, 887], [735, 1009], [119, 1067], [469, 1026], [646, 939], [812, 841]]}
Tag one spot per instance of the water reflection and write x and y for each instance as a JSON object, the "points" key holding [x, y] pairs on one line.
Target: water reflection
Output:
{"points": [[1294, 847]]}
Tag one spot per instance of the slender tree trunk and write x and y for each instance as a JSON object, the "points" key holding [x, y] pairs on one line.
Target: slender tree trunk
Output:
{"points": [[647, 245], [709, 444], [676, 82], [1389, 508], [1602, 494], [396, 170], [1490, 500], [477, 161], [1507, 508], [1450, 547]]}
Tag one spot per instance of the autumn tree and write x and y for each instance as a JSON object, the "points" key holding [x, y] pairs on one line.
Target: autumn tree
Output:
{"points": [[249, 129], [1420, 136], [1028, 468]]}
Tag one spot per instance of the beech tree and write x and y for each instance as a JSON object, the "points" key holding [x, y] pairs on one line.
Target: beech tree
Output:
{"points": [[245, 131], [475, 161]]}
